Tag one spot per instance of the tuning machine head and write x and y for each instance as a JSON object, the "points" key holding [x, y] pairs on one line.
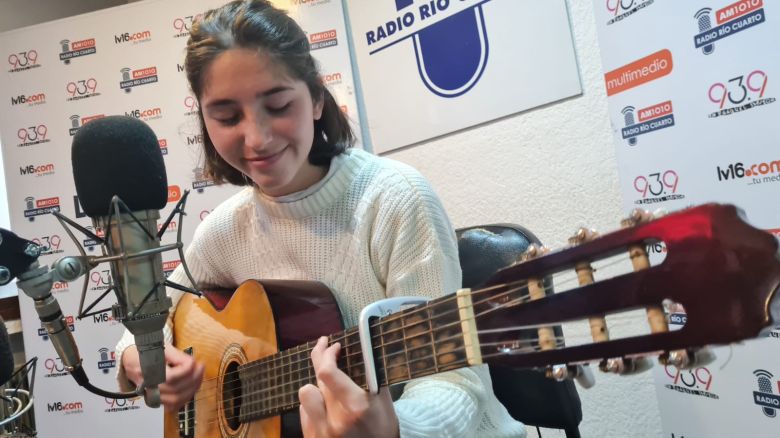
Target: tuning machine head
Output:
{"points": [[688, 358]]}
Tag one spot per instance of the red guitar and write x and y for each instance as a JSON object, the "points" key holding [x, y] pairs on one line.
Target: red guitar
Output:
{"points": [[256, 343]]}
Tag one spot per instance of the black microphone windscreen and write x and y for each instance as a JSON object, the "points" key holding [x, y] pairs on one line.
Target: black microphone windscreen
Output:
{"points": [[118, 155]]}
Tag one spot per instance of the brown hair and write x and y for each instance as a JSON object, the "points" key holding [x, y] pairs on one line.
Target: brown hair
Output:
{"points": [[257, 25]]}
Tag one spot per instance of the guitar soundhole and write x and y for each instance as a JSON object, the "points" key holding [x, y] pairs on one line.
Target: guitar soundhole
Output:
{"points": [[231, 396]]}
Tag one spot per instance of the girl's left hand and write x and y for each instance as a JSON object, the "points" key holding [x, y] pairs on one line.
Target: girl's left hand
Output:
{"points": [[338, 407]]}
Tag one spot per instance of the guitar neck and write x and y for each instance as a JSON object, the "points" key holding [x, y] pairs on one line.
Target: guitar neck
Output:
{"points": [[412, 343]]}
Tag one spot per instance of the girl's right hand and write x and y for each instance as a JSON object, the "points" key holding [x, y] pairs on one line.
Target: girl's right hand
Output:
{"points": [[183, 375]]}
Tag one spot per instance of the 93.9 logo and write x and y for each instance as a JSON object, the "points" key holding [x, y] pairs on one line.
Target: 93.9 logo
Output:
{"points": [[21, 61], [49, 244], [81, 89], [697, 381], [657, 187], [740, 93], [32, 135], [182, 25]]}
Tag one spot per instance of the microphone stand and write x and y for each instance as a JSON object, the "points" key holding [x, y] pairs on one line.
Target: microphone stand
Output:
{"points": [[37, 281]]}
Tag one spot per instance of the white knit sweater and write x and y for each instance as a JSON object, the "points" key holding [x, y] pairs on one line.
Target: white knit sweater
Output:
{"points": [[371, 228]]}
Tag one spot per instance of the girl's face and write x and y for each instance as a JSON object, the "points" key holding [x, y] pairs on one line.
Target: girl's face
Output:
{"points": [[261, 121]]}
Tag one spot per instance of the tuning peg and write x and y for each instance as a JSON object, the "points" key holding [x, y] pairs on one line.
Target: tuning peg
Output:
{"points": [[533, 251], [636, 217], [583, 235], [688, 358], [582, 374], [625, 366]]}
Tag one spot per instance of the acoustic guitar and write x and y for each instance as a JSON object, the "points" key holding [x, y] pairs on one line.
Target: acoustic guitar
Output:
{"points": [[255, 343]]}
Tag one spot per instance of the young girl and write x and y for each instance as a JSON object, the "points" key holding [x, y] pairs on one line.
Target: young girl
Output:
{"points": [[314, 209]]}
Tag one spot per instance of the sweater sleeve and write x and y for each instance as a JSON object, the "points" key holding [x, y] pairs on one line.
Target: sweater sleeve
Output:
{"points": [[416, 251]]}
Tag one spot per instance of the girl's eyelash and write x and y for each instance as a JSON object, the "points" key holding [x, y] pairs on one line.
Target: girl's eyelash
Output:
{"points": [[280, 109]]}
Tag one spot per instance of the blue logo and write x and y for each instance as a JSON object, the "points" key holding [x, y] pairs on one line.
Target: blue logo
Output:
{"points": [[451, 53]]}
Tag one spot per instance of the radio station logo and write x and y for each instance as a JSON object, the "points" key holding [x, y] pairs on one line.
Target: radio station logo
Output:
{"points": [[107, 360], [39, 170], [32, 135], [174, 193], [146, 114], [729, 21], [179, 68], [60, 286], [143, 36], [760, 173], [765, 396], [104, 317], [21, 61], [696, 381], [170, 266], [69, 321], [163, 146], [321, 40], [29, 100], [54, 367], [67, 408], [650, 119], [182, 25], [192, 139], [658, 187], [89, 243], [449, 39], [136, 78], [200, 182], [739, 94], [122, 405], [172, 227], [622, 9], [191, 105], [77, 122], [76, 49], [37, 207], [49, 244], [639, 72], [81, 89], [330, 79], [100, 281]]}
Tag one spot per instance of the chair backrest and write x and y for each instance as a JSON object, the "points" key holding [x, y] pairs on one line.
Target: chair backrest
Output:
{"points": [[528, 395]]}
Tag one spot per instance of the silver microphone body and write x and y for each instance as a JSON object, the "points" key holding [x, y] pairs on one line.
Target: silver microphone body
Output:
{"points": [[142, 304]]}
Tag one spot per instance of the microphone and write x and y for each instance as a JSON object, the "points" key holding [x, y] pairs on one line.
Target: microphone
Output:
{"points": [[121, 183]]}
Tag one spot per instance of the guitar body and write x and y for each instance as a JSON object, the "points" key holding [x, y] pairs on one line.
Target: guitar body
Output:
{"points": [[232, 328]]}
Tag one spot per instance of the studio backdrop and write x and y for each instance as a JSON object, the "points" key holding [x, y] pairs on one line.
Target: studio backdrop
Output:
{"points": [[126, 60]]}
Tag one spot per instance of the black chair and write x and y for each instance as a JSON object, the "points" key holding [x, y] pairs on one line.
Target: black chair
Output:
{"points": [[528, 395]]}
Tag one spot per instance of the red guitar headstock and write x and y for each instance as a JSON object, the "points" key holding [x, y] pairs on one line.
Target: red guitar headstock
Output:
{"points": [[724, 272]]}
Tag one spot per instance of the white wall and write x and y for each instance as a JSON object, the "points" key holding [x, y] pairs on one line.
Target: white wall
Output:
{"points": [[552, 170]]}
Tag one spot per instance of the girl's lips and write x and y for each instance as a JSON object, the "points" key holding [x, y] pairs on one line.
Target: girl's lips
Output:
{"points": [[265, 162]]}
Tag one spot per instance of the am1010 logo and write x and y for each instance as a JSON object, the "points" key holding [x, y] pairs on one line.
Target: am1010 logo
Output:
{"points": [[76, 122], [132, 78], [76, 49], [70, 322], [32, 135], [729, 21], [765, 397], [739, 94], [107, 360], [21, 61], [37, 207]]}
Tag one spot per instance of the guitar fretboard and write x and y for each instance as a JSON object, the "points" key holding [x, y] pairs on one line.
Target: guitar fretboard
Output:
{"points": [[416, 342]]}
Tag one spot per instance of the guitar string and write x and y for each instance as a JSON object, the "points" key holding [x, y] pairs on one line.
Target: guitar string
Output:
{"points": [[296, 402], [383, 345], [279, 357], [389, 369]]}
